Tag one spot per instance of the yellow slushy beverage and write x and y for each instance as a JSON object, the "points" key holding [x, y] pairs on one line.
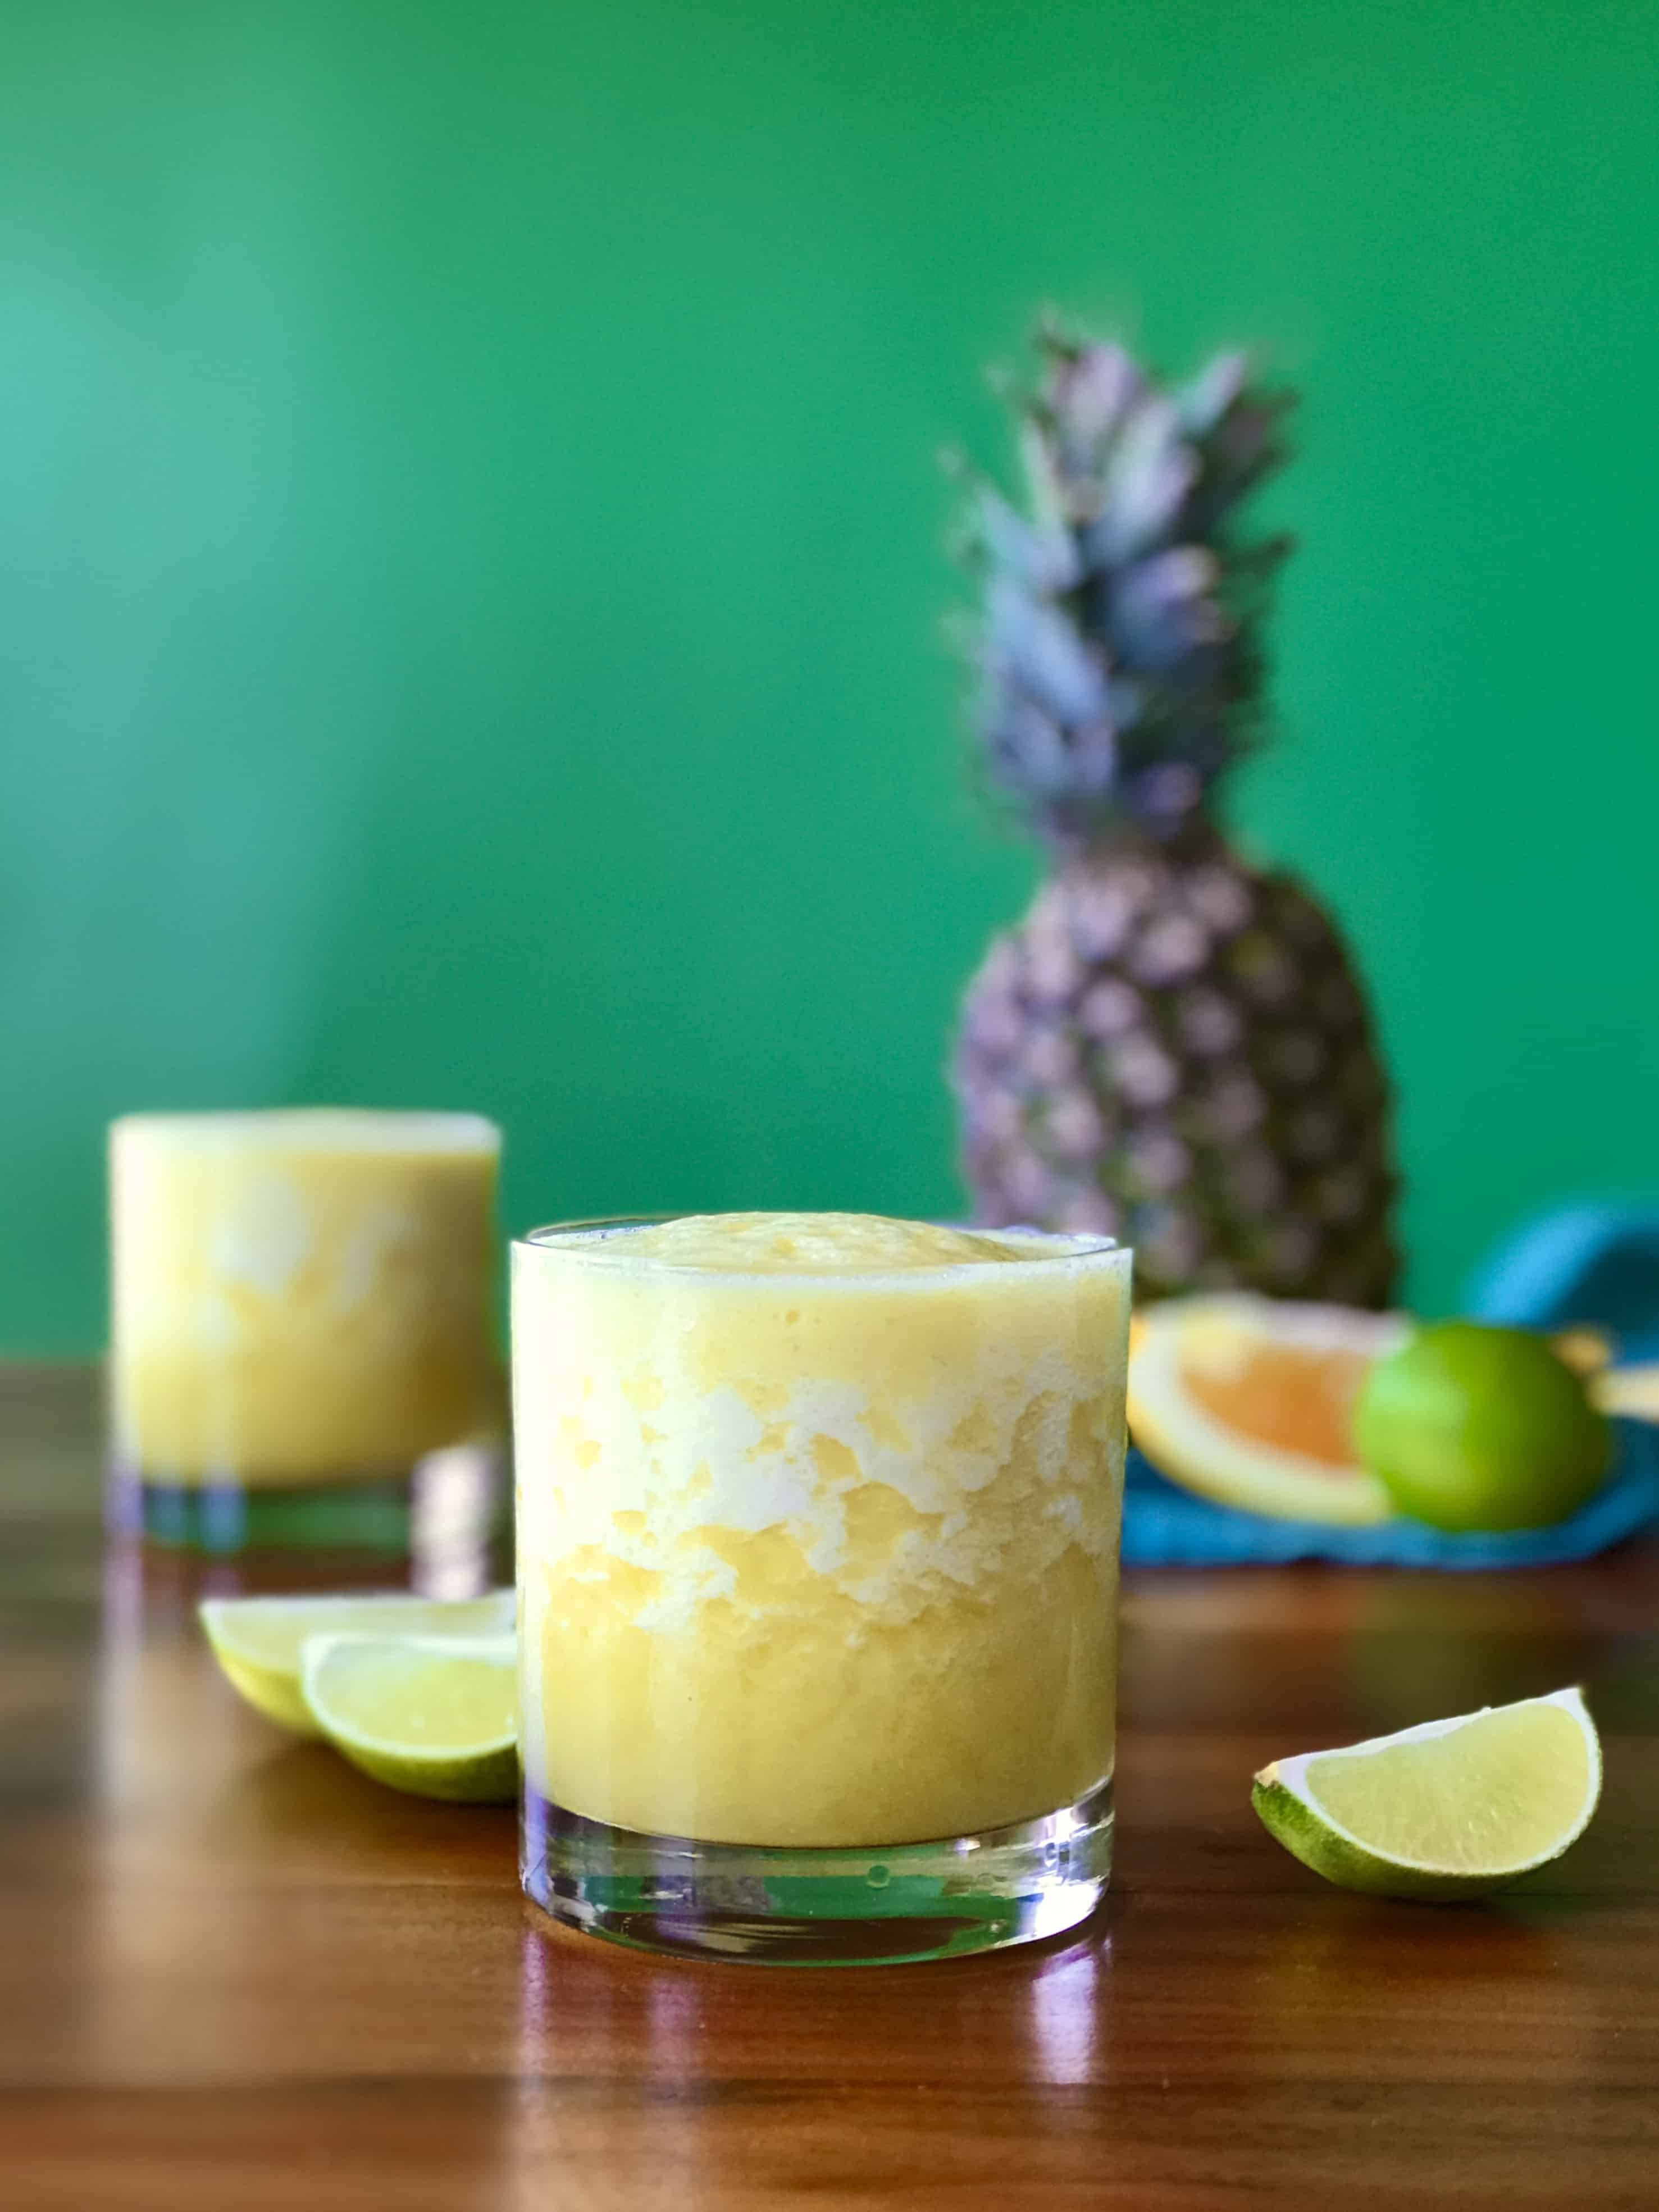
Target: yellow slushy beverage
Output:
{"points": [[817, 1525], [300, 1297]]}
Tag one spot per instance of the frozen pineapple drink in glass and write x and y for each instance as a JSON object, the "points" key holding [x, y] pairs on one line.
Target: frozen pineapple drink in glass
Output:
{"points": [[301, 1315], [817, 1536]]}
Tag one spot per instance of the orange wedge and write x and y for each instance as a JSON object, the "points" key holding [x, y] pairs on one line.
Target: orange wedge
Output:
{"points": [[1250, 1400]]}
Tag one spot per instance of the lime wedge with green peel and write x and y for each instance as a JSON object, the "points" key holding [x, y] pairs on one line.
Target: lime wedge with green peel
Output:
{"points": [[435, 1716], [1469, 1427], [257, 1640], [1451, 1809]]}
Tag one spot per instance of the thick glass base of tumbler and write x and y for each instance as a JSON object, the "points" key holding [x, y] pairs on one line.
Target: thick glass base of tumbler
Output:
{"points": [[224, 1517], [819, 1908], [450, 1500]]}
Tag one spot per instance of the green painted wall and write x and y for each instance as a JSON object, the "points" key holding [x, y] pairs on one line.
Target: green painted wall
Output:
{"points": [[470, 618]]}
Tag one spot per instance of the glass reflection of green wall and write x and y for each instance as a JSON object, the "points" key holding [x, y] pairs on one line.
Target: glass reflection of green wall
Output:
{"points": [[471, 616]]}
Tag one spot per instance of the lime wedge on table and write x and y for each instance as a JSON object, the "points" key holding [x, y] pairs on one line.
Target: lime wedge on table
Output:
{"points": [[433, 1715], [257, 1640], [1451, 1809]]}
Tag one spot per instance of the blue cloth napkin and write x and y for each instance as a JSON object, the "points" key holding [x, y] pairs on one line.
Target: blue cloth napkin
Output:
{"points": [[1594, 1264]]}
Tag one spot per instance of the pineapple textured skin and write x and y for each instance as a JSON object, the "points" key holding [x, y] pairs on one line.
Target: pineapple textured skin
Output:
{"points": [[1174, 1047]]}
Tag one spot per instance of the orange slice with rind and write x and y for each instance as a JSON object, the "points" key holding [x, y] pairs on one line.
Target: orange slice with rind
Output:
{"points": [[1250, 1400]]}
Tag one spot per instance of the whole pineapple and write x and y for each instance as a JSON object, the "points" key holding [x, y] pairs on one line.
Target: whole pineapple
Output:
{"points": [[1173, 1046]]}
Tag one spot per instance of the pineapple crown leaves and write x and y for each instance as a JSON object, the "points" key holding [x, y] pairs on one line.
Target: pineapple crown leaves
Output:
{"points": [[1119, 642]]}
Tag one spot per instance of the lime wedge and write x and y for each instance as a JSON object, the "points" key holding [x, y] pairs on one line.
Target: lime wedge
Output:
{"points": [[1451, 1809], [257, 1640], [433, 1715]]}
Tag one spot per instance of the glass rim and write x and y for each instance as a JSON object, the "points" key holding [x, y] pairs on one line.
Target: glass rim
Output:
{"points": [[585, 1241], [390, 1129]]}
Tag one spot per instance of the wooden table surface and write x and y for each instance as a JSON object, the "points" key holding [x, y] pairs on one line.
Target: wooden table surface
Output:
{"points": [[234, 1974]]}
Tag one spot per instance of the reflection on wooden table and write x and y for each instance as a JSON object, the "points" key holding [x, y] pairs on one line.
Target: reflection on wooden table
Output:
{"points": [[233, 1972]]}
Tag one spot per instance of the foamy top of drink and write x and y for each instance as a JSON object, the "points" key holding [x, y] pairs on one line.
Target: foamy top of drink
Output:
{"points": [[816, 1244]]}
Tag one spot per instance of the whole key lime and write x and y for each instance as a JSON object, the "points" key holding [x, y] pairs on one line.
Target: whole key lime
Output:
{"points": [[1469, 1426]]}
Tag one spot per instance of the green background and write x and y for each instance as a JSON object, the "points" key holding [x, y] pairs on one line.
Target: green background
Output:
{"points": [[472, 617]]}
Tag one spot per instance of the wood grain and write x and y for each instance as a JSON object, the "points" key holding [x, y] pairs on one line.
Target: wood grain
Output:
{"points": [[235, 1974]]}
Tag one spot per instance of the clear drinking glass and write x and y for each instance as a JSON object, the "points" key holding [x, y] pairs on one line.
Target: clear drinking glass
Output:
{"points": [[817, 1578], [303, 1323]]}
